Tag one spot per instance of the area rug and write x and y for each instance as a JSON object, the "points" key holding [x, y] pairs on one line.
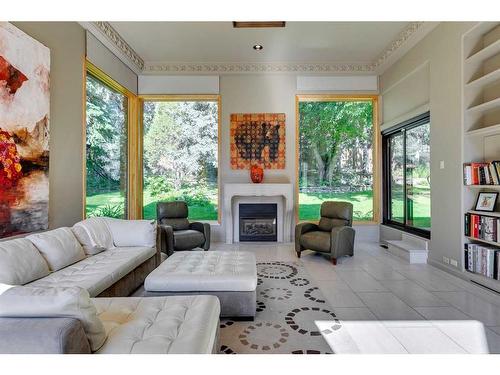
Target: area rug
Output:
{"points": [[288, 303]]}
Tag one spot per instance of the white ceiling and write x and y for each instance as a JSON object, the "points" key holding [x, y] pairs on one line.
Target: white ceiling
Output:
{"points": [[298, 42]]}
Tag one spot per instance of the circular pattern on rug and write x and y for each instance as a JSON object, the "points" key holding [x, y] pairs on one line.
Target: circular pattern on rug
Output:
{"points": [[226, 324], [309, 351], [278, 294], [299, 281], [226, 350], [259, 281], [264, 336], [261, 306], [305, 324], [309, 295], [276, 270]]}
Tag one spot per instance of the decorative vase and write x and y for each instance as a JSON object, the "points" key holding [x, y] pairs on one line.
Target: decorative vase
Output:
{"points": [[256, 174]]}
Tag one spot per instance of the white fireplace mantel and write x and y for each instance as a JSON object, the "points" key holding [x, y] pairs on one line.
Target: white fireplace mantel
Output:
{"points": [[232, 191]]}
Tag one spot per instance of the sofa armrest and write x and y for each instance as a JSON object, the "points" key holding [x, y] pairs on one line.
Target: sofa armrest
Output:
{"points": [[342, 241], [166, 239], [203, 228], [301, 229], [42, 336]]}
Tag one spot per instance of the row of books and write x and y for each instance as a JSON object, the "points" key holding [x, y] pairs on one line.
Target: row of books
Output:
{"points": [[482, 227], [482, 173], [483, 260]]}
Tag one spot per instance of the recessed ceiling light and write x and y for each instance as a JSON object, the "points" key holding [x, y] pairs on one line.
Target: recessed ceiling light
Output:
{"points": [[258, 47]]}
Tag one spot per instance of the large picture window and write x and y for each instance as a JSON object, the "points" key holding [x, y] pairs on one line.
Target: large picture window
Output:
{"points": [[406, 154], [336, 148], [106, 147], [180, 154]]}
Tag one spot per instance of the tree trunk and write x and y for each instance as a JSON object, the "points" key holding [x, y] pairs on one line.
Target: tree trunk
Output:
{"points": [[320, 164]]}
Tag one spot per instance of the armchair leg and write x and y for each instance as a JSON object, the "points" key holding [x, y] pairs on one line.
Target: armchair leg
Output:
{"points": [[298, 254], [334, 261]]}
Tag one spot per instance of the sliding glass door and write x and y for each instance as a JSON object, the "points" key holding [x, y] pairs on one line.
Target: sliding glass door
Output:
{"points": [[406, 154]]}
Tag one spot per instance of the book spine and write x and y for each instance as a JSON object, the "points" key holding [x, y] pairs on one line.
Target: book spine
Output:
{"points": [[467, 225]]}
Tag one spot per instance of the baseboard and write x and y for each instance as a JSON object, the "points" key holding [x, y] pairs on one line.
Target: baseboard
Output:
{"points": [[446, 268]]}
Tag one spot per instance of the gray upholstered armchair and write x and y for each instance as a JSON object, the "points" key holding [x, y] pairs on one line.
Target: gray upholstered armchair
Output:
{"points": [[176, 232], [333, 234]]}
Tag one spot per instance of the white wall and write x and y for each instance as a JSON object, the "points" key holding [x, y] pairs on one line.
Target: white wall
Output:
{"points": [[98, 54], [441, 52]]}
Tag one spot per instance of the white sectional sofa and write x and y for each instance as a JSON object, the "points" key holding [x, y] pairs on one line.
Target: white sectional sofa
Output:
{"points": [[47, 281], [107, 257]]}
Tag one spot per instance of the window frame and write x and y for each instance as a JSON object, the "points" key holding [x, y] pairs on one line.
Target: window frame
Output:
{"points": [[375, 149], [387, 134], [177, 98], [90, 69]]}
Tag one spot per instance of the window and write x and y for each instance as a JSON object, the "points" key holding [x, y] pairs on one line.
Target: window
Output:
{"points": [[106, 147], [406, 154], [336, 148], [180, 154]]}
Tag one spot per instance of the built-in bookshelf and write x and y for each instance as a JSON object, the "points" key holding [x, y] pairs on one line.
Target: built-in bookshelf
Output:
{"points": [[481, 153]]}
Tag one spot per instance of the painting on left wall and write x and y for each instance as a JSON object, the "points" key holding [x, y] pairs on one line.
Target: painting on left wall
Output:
{"points": [[24, 132]]}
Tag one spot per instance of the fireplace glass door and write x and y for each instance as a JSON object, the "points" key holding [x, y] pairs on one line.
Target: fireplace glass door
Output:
{"points": [[258, 222]]}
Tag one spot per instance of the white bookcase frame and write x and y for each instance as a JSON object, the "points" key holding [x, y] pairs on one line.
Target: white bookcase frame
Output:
{"points": [[480, 118]]}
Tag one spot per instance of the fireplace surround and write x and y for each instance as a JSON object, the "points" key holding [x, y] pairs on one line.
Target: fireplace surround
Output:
{"points": [[234, 194]]}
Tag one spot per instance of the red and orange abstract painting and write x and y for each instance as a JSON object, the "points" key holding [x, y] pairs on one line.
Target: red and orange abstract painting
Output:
{"points": [[257, 139], [24, 132]]}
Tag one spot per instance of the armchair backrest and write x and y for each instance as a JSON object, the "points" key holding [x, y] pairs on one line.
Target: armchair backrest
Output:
{"points": [[174, 214], [335, 214]]}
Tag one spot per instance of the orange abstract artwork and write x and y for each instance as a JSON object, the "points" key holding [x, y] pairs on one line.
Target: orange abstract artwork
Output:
{"points": [[257, 139], [24, 132]]}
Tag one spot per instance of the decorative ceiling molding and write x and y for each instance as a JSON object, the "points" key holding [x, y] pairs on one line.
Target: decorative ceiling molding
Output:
{"points": [[160, 67], [112, 35], [402, 38], [389, 55]]}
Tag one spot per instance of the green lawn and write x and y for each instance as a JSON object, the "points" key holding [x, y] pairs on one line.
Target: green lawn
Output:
{"points": [[310, 203], [308, 209], [196, 212], [99, 201], [363, 205], [421, 206]]}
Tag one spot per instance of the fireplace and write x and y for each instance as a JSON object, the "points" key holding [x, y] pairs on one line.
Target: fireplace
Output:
{"points": [[258, 222]]}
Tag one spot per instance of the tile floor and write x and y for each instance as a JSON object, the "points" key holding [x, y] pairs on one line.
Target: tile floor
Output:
{"points": [[389, 306]]}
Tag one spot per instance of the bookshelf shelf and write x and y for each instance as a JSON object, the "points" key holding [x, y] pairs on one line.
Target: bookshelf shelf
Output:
{"points": [[485, 80], [484, 241], [485, 53], [487, 130], [484, 213], [483, 107], [483, 186]]}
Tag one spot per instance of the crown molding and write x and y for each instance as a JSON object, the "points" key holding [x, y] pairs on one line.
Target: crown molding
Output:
{"points": [[107, 35], [238, 68], [406, 39]]}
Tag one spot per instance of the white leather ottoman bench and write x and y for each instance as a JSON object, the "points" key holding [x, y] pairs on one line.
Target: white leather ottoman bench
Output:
{"points": [[229, 275]]}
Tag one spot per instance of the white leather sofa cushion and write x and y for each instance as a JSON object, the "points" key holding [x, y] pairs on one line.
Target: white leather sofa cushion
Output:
{"points": [[21, 262], [154, 325], [204, 271], [132, 232], [59, 247], [98, 272], [30, 302], [94, 235]]}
